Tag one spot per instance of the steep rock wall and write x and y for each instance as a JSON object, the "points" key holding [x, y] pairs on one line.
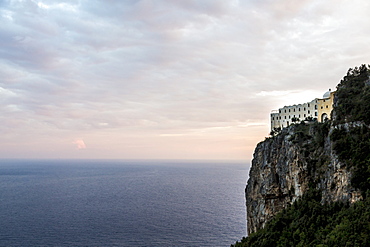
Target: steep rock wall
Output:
{"points": [[324, 157], [285, 166]]}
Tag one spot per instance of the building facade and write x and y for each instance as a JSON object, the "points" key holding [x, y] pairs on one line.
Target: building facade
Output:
{"points": [[319, 109]]}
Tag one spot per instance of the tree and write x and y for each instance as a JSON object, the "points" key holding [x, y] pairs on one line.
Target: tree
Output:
{"points": [[295, 119], [309, 119], [275, 131]]}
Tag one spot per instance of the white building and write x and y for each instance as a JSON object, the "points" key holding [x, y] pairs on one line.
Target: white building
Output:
{"points": [[319, 109]]}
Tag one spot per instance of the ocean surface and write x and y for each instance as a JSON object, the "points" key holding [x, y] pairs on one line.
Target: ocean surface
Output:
{"points": [[121, 203]]}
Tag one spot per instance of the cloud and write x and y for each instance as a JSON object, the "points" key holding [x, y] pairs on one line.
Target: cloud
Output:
{"points": [[80, 144], [124, 70]]}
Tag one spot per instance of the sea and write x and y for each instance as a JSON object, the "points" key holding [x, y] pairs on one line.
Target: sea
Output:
{"points": [[122, 203]]}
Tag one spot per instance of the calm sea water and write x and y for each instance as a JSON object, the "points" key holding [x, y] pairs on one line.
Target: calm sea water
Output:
{"points": [[121, 203]]}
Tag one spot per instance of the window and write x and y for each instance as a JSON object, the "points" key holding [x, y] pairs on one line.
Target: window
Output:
{"points": [[308, 105], [304, 109], [289, 110], [308, 111], [299, 109], [285, 117], [304, 115], [272, 118], [315, 107], [285, 111], [279, 111], [327, 106], [322, 107], [315, 113], [294, 109]]}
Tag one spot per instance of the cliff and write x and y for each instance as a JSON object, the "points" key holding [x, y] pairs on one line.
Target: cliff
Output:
{"points": [[331, 158], [284, 167]]}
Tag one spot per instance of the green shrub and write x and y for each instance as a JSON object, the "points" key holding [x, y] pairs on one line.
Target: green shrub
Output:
{"points": [[307, 222]]}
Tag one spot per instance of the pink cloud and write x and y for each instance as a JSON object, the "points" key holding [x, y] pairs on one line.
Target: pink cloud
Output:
{"points": [[80, 144]]}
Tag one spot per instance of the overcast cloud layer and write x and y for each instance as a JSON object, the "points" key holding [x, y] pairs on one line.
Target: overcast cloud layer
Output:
{"points": [[175, 79]]}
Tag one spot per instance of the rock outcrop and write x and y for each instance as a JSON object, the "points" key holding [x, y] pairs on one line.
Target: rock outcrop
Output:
{"points": [[310, 156], [283, 169]]}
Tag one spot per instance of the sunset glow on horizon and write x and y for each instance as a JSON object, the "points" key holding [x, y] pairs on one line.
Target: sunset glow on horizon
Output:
{"points": [[165, 79]]}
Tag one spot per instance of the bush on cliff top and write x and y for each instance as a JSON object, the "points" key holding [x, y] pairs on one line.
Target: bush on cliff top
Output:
{"points": [[353, 96]]}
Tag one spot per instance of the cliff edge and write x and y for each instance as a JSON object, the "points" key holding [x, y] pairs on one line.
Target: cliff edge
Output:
{"points": [[331, 158]]}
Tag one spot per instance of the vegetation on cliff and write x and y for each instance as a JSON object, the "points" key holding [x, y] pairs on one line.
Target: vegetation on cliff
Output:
{"points": [[308, 221], [351, 135]]}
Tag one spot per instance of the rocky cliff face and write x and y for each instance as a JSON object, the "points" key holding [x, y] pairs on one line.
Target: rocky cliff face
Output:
{"points": [[285, 166], [298, 173], [331, 157]]}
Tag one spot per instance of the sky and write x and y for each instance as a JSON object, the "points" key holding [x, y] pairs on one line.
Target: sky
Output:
{"points": [[165, 79]]}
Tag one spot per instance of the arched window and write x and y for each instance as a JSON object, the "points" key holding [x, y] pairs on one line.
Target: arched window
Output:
{"points": [[324, 116]]}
